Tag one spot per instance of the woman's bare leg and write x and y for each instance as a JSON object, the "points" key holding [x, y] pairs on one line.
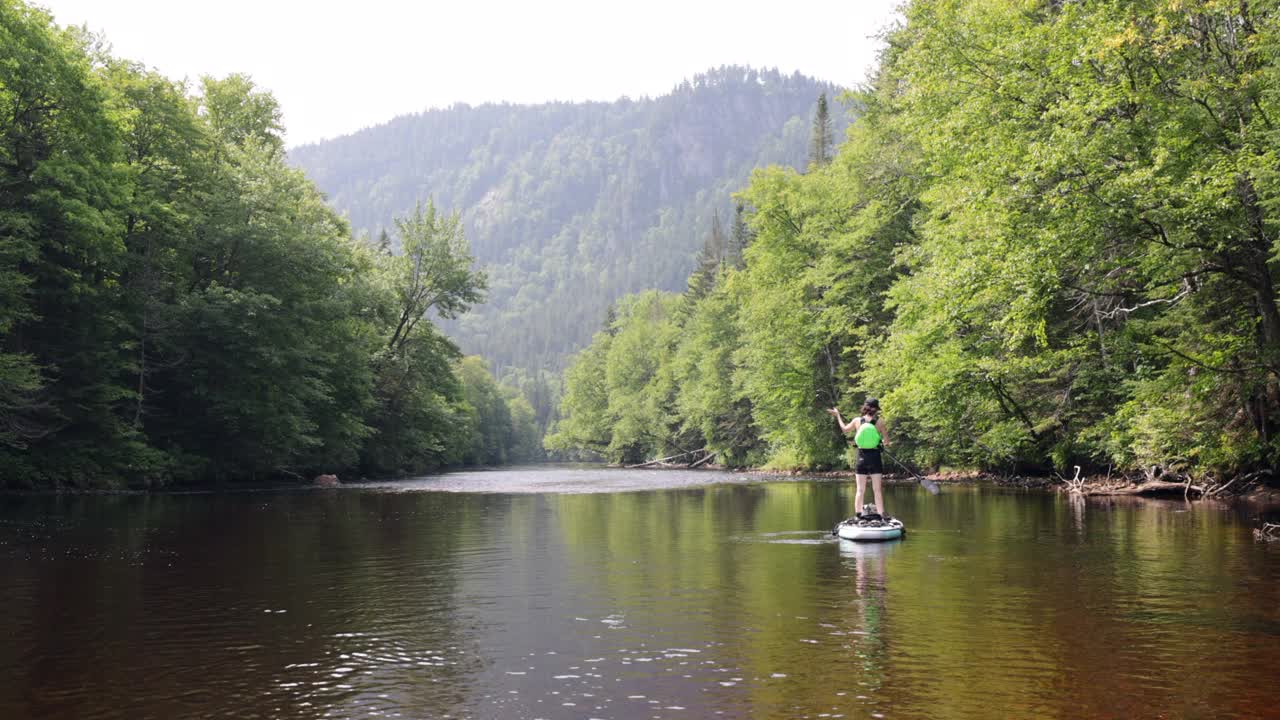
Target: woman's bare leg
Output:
{"points": [[860, 492], [876, 486]]}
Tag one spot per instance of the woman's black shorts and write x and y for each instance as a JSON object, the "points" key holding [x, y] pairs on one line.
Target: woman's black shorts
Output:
{"points": [[869, 462]]}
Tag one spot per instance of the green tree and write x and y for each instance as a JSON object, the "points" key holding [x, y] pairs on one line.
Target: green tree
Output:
{"points": [[270, 370], [165, 151], [60, 202], [527, 433], [177, 303], [1098, 234], [739, 239], [490, 429], [708, 398], [238, 113], [821, 141], [711, 261], [421, 420], [434, 273], [584, 426]]}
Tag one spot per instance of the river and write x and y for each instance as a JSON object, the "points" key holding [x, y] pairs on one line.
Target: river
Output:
{"points": [[573, 593]]}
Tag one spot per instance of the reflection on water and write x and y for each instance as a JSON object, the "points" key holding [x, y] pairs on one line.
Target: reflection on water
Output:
{"points": [[730, 600]]}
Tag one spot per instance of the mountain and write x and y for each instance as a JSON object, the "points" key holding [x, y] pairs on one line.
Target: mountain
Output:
{"points": [[569, 206]]}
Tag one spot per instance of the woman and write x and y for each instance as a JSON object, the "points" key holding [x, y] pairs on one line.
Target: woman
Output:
{"points": [[868, 437]]}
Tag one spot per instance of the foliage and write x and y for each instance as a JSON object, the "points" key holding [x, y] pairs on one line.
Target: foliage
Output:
{"points": [[60, 215], [1097, 235], [490, 427], [1047, 240], [433, 271], [583, 427], [709, 400], [178, 304], [619, 402], [569, 206]]}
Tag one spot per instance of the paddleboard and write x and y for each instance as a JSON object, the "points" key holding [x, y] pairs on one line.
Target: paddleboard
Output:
{"points": [[870, 531]]}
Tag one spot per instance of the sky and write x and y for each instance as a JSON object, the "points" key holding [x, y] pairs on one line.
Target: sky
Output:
{"points": [[337, 67]]}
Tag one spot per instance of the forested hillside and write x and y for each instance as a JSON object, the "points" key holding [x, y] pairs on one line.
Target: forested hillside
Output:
{"points": [[572, 205], [177, 304], [1049, 240]]}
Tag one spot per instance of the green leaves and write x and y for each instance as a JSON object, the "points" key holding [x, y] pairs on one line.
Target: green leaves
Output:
{"points": [[60, 250], [1048, 240], [178, 304], [570, 206], [238, 114], [1088, 190], [584, 425], [434, 272]]}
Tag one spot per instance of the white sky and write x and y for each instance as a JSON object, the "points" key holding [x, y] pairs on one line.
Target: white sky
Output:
{"points": [[336, 67]]}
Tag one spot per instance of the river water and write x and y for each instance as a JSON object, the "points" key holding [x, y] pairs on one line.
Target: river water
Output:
{"points": [[591, 593]]}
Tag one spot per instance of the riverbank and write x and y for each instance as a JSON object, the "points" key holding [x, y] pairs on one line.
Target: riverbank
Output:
{"points": [[1252, 491], [1248, 488]]}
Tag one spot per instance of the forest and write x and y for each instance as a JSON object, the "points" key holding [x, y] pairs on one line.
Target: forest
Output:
{"points": [[570, 206], [1047, 240], [180, 305]]}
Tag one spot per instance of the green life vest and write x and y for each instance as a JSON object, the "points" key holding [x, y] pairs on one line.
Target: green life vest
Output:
{"points": [[867, 437]]}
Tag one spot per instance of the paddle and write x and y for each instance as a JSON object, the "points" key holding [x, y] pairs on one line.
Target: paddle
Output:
{"points": [[925, 482]]}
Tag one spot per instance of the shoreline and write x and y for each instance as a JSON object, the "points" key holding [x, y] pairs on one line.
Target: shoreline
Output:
{"points": [[1090, 486], [1252, 492]]}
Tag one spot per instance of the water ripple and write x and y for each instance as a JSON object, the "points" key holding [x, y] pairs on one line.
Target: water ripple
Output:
{"points": [[554, 595]]}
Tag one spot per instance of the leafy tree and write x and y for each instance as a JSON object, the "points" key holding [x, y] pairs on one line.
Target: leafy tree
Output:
{"points": [[709, 398], [584, 425], [1097, 235], [60, 200], [423, 419], [262, 378], [238, 113], [165, 150], [177, 304], [434, 272], [490, 428], [526, 431]]}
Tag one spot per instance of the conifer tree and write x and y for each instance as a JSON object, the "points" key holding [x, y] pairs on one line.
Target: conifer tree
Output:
{"points": [[715, 251], [710, 260], [821, 142], [739, 238], [610, 318]]}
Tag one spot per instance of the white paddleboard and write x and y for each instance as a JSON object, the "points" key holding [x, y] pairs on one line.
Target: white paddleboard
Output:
{"points": [[874, 531]]}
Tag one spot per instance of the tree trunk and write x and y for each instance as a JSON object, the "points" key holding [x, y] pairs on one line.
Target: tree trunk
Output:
{"points": [[1264, 287]]}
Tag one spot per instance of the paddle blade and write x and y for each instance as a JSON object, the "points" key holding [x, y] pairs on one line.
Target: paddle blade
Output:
{"points": [[930, 485]]}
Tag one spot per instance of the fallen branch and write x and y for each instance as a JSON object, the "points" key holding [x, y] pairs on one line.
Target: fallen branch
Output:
{"points": [[1247, 478], [703, 461], [1268, 532], [1151, 487], [663, 461]]}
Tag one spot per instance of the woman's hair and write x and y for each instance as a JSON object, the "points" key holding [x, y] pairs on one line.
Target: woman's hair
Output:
{"points": [[871, 407]]}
